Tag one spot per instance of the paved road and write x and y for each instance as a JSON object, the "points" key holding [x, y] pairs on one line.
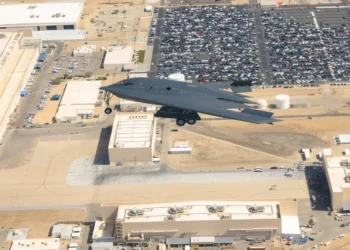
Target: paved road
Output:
{"points": [[83, 172], [29, 103]]}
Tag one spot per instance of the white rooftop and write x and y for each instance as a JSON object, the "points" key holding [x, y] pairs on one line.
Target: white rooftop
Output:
{"points": [[337, 173], [118, 55], [132, 131], [54, 35], [81, 93], [102, 230], [37, 244], [290, 225], [79, 97], [195, 211], [17, 15], [7, 40]]}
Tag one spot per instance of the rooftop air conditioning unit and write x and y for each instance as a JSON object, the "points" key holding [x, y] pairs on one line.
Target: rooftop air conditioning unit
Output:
{"points": [[347, 178]]}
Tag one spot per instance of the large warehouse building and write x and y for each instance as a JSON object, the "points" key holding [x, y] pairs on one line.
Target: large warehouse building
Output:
{"points": [[16, 64], [79, 101], [204, 222], [42, 17], [132, 138], [338, 176]]}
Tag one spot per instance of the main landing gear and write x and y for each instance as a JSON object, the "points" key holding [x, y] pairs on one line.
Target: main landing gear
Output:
{"points": [[108, 110], [182, 122]]}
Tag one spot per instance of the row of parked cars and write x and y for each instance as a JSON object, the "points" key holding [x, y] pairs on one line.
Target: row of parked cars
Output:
{"points": [[43, 100]]}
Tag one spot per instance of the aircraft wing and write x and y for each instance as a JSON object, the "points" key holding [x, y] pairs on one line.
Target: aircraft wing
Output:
{"points": [[216, 107]]}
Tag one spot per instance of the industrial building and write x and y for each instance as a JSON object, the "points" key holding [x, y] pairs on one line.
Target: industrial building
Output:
{"points": [[36, 244], [41, 17], [78, 101], [84, 50], [338, 176], [132, 106], [206, 223], [16, 64], [180, 146], [118, 56], [132, 138]]}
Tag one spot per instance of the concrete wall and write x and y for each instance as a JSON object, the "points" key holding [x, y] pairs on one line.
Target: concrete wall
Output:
{"points": [[19, 75], [346, 199], [129, 154], [337, 201], [203, 228]]}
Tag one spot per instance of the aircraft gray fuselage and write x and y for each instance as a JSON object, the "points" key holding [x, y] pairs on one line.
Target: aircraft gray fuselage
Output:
{"points": [[155, 91], [183, 101]]}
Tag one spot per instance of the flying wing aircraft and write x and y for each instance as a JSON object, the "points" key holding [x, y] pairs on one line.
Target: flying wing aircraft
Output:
{"points": [[183, 101]]}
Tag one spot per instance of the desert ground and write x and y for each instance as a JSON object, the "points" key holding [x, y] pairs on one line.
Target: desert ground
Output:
{"points": [[219, 143]]}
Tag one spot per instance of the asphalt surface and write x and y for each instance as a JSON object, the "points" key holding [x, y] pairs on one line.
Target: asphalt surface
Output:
{"points": [[29, 103], [83, 172]]}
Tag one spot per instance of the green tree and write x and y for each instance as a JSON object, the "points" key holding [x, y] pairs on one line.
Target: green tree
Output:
{"points": [[88, 74], [56, 81]]}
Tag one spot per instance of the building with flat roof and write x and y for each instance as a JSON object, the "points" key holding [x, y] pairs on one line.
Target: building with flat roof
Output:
{"points": [[84, 50], [338, 176], [41, 16], [103, 232], [133, 106], [118, 56], [78, 101], [16, 64], [36, 244], [132, 138], [193, 220]]}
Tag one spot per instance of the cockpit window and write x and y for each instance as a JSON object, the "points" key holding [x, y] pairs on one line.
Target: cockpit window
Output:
{"points": [[128, 83]]}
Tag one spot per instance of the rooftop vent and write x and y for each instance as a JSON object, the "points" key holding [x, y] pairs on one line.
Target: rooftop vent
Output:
{"points": [[347, 178], [31, 6], [216, 209], [256, 209], [135, 212], [176, 210], [225, 217], [32, 16]]}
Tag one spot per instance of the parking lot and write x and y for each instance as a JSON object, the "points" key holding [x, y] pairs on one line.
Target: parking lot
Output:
{"points": [[301, 45], [76, 66], [209, 44]]}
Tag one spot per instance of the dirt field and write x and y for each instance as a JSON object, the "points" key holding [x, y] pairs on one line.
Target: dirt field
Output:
{"points": [[269, 144], [208, 153], [39, 222], [48, 113]]}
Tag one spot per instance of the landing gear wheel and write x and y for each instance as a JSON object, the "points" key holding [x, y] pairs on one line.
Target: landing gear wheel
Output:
{"points": [[191, 122], [108, 111], [180, 122]]}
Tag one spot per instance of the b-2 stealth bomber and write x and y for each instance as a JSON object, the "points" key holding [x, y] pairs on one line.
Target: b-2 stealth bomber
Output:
{"points": [[183, 101]]}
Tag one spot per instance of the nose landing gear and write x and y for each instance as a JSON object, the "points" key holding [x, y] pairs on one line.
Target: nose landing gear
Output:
{"points": [[108, 97], [108, 111]]}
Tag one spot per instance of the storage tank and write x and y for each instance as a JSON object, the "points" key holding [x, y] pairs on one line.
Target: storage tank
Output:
{"points": [[282, 101], [262, 103], [177, 77]]}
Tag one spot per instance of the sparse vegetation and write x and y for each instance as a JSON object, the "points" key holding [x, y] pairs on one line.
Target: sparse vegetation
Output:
{"points": [[140, 56], [57, 81], [88, 74], [101, 78]]}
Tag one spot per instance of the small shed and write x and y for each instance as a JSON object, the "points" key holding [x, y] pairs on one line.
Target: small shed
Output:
{"points": [[66, 232], [76, 235], [23, 93], [102, 246], [148, 8], [56, 230], [42, 57], [55, 97]]}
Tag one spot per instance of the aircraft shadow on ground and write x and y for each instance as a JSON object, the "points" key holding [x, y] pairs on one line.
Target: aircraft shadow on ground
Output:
{"points": [[101, 155]]}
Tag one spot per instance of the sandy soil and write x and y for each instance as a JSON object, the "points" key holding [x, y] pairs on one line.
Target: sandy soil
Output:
{"points": [[39, 222], [48, 113], [208, 153]]}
